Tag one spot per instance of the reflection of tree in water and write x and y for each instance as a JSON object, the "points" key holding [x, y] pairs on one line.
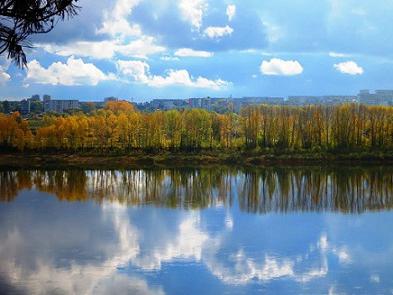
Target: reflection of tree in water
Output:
{"points": [[317, 189], [66, 185], [259, 190], [11, 182]]}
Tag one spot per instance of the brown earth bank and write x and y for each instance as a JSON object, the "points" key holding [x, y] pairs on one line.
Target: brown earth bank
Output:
{"points": [[200, 159]]}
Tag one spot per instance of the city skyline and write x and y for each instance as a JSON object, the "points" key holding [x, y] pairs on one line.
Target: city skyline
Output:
{"points": [[164, 49], [40, 95], [34, 105]]}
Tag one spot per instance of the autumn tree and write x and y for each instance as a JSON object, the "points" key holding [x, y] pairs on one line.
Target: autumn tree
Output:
{"points": [[119, 128], [119, 106]]}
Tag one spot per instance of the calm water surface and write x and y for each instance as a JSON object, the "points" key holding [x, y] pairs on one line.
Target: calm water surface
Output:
{"points": [[207, 231]]}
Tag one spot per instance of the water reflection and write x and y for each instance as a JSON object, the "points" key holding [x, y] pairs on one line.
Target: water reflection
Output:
{"points": [[64, 250], [266, 190], [111, 231]]}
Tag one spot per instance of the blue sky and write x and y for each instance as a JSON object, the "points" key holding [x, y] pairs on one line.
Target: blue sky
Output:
{"points": [[145, 49]]}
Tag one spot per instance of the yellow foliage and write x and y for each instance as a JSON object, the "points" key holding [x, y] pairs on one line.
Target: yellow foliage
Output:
{"points": [[119, 107], [120, 127]]}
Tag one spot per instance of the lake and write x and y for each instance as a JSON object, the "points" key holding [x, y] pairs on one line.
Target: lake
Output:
{"points": [[299, 230]]}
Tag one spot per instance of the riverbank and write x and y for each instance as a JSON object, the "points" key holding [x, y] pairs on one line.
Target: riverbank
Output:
{"points": [[168, 159]]}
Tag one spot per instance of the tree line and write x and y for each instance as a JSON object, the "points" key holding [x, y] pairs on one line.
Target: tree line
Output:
{"points": [[121, 128]]}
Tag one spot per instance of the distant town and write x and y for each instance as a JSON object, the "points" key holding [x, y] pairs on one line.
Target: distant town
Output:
{"points": [[36, 106]]}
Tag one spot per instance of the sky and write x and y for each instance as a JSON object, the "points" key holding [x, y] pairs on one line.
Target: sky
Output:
{"points": [[146, 49]]}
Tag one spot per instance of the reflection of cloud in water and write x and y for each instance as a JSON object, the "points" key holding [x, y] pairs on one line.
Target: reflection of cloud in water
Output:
{"points": [[79, 279], [127, 235], [342, 254], [94, 278], [187, 245], [189, 242], [229, 221], [240, 269], [332, 291], [245, 269]]}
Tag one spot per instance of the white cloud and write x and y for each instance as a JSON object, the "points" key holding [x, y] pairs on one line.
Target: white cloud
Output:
{"points": [[101, 49], [116, 22], [139, 71], [218, 32], [126, 39], [349, 67], [231, 11], [73, 72], [188, 52], [141, 48], [4, 64], [169, 58], [279, 67], [337, 54], [4, 76], [192, 11]]}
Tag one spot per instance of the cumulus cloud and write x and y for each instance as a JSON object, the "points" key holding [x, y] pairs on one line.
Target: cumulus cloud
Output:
{"points": [[141, 48], [231, 11], [188, 52], [4, 76], [218, 32], [123, 37], [116, 22], [193, 11], [349, 67], [171, 28], [135, 69], [73, 72], [279, 67], [139, 71], [99, 49]]}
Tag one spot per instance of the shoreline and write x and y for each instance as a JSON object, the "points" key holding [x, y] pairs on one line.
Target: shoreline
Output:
{"points": [[187, 160]]}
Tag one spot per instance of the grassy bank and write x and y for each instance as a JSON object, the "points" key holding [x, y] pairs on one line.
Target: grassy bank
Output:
{"points": [[170, 159]]}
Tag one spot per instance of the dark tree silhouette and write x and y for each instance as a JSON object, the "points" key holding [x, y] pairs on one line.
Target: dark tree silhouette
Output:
{"points": [[21, 18]]}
